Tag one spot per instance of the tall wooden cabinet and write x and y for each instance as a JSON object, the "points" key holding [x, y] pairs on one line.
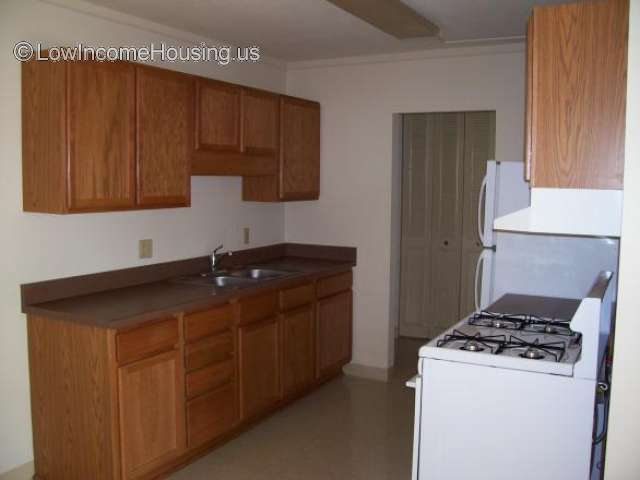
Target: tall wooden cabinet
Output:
{"points": [[576, 94], [101, 136]]}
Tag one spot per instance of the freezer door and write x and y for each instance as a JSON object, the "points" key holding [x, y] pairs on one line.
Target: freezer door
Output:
{"points": [[486, 204]]}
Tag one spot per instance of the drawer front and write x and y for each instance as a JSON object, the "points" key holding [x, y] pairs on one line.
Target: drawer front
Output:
{"points": [[208, 350], [210, 377], [296, 297], [334, 284], [253, 309], [211, 415], [146, 341], [207, 322]]}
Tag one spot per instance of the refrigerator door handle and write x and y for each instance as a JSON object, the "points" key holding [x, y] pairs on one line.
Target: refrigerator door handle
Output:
{"points": [[481, 208], [476, 284]]}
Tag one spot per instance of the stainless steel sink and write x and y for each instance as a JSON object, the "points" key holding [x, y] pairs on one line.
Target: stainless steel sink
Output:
{"points": [[229, 281], [259, 273], [221, 281]]}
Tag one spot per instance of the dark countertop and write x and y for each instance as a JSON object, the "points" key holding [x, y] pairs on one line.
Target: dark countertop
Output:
{"points": [[126, 307]]}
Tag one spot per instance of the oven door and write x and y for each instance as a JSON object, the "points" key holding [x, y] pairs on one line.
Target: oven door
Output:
{"points": [[416, 384]]}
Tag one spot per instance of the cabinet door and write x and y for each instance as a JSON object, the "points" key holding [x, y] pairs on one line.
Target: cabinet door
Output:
{"points": [[528, 117], [259, 367], [334, 333], [218, 116], [260, 122], [152, 424], [579, 94], [298, 349], [101, 135], [165, 137], [300, 150]]}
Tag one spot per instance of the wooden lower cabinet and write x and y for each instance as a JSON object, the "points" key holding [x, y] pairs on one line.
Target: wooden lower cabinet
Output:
{"points": [[137, 403], [211, 415], [298, 347], [259, 354], [334, 333], [152, 427]]}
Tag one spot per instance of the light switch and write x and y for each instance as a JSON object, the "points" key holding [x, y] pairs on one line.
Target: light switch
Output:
{"points": [[246, 232], [145, 248]]}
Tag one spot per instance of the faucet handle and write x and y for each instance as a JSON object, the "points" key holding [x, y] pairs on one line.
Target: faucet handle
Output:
{"points": [[218, 248]]}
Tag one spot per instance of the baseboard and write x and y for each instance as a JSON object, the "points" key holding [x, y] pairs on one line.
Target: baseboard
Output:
{"points": [[366, 371], [23, 472]]}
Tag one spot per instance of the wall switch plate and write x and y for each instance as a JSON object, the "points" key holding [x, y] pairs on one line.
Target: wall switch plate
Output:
{"points": [[145, 248], [246, 234]]}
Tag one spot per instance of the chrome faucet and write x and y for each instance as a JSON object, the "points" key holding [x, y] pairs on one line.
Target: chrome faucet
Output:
{"points": [[216, 257]]}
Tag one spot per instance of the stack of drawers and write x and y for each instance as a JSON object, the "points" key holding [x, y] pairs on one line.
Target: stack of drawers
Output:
{"points": [[210, 374]]}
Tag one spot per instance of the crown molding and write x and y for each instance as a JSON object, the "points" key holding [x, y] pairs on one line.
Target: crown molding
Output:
{"points": [[472, 48]]}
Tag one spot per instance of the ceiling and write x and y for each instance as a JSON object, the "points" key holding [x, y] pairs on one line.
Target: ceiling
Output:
{"points": [[294, 30]]}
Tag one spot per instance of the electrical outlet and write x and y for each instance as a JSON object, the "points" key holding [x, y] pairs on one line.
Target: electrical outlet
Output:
{"points": [[246, 232], [145, 248]]}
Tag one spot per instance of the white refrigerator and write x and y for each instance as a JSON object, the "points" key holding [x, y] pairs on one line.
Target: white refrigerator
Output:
{"points": [[528, 263]]}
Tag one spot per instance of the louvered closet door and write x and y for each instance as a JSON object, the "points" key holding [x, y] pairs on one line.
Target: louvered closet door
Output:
{"points": [[431, 222], [445, 136], [416, 234], [444, 162]]}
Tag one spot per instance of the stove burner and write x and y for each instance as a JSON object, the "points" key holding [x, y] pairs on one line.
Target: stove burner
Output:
{"points": [[472, 346], [474, 343], [532, 354], [497, 320], [536, 350]]}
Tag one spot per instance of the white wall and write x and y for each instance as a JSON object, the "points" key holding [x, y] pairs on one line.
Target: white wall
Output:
{"points": [[359, 98], [623, 461], [37, 247]]}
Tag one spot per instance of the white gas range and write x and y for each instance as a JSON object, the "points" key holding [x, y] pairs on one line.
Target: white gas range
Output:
{"points": [[511, 392]]}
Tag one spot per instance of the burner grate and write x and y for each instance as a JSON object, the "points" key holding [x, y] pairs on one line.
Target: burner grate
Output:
{"points": [[536, 350]]}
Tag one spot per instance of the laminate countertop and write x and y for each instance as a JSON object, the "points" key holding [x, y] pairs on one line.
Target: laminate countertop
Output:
{"points": [[128, 306]]}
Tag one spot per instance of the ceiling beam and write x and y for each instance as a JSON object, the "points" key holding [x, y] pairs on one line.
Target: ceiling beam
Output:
{"points": [[390, 16]]}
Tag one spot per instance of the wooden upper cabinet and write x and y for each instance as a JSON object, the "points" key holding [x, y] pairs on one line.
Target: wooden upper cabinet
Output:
{"points": [[101, 135], [78, 136], [236, 130], [298, 176], [165, 137], [300, 157], [577, 94], [218, 116], [260, 122]]}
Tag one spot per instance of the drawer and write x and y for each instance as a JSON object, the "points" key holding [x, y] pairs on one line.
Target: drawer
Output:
{"points": [[296, 297], [259, 307], [208, 350], [147, 340], [211, 415], [207, 322], [334, 284], [209, 377]]}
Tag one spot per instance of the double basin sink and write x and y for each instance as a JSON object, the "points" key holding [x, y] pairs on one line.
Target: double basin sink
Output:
{"points": [[236, 278]]}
